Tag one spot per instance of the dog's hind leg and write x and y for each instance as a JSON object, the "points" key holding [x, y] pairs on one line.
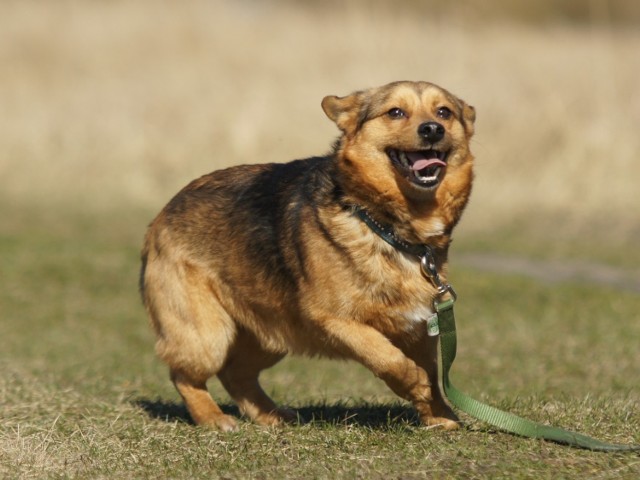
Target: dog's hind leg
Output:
{"points": [[246, 359], [194, 332], [202, 408], [195, 349]]}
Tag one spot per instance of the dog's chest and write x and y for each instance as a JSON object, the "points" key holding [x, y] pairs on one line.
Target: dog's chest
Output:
{"points": [[402, 298], [380, 285], [417, 315]]}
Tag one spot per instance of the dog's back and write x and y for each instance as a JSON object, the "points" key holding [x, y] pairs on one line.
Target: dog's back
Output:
{"points": [[243, 229]]}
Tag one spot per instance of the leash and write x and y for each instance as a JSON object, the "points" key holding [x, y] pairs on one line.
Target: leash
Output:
{"points": [[505, 421], [443, 323]]}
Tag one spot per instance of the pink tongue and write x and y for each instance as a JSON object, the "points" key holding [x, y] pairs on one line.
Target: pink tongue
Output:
{"points": [[420, 164], [419, 161]]}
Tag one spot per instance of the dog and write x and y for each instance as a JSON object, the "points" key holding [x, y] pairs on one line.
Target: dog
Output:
{"points": [[248, 264]]}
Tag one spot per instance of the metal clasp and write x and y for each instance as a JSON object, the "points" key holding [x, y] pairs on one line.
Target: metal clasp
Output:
{"points": [[430, 271]]}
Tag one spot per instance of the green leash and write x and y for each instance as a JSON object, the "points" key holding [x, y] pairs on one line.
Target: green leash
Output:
{"points": [[444, 324], [505, 421]]}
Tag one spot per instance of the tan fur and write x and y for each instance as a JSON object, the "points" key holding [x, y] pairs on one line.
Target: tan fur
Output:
{"points": [[244, 266]]}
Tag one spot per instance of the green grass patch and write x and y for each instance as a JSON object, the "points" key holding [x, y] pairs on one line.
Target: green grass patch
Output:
{"points": [[82, 394]]}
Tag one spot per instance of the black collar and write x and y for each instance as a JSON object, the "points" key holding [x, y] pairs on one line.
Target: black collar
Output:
{"points": [[387, 233]]}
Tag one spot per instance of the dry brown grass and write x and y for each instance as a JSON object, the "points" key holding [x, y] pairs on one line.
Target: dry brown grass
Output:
{"points": [[112, 103]]}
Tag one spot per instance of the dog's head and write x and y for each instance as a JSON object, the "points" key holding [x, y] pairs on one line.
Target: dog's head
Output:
{"points": [[405, 138]]}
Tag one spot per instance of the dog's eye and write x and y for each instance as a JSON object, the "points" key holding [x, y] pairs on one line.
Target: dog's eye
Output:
{"points": [[396, 113], [444, 113]]}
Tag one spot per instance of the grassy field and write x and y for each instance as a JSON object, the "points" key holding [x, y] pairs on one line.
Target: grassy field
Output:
{"points": [[110, 107], [82, 395]]}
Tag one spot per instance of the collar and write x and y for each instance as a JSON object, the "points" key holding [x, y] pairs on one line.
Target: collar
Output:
{"points": [[387, 233]]}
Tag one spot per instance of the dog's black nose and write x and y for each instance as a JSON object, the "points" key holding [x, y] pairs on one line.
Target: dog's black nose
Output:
{"points": [[431, 131]]}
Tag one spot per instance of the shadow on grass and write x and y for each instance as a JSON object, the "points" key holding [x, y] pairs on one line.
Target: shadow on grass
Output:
{"points": [[371, 415]]}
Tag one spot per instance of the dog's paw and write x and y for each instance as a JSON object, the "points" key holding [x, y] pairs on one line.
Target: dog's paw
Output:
{"points": [[288, 415], [442, 423], [223, 423], [277, 417]]}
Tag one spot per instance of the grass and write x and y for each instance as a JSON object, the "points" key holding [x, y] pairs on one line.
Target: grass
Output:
{"points": [[83, 396]]}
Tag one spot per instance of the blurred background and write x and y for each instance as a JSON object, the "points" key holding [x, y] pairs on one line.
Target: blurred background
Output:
{"points": [[109, 107]]}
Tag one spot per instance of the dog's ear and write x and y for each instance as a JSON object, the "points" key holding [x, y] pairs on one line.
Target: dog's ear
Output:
{"points": [[469, 118], [348, 113]]}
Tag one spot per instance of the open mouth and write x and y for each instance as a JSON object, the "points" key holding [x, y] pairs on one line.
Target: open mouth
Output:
{"points": [[423, 167]]}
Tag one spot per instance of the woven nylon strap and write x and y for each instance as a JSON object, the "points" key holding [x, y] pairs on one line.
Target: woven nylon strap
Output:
{"points": [[503, 420]]}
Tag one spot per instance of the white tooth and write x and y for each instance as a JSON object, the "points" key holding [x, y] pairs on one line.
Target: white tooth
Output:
{"points": [[432, 178], [424, 179], [403, 157]]}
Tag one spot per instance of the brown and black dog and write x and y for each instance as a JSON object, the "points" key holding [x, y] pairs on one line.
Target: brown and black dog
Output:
{"points": [[248, 264]]}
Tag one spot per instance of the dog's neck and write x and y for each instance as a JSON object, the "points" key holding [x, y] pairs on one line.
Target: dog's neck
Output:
{"points": [[389, 235], [393, 237]]}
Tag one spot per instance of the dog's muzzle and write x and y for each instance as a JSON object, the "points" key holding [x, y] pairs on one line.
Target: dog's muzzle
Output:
{"points": [[421, 167]]}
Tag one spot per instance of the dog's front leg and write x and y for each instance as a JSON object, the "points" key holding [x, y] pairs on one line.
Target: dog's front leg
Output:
{"points": [[406, 378]]}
